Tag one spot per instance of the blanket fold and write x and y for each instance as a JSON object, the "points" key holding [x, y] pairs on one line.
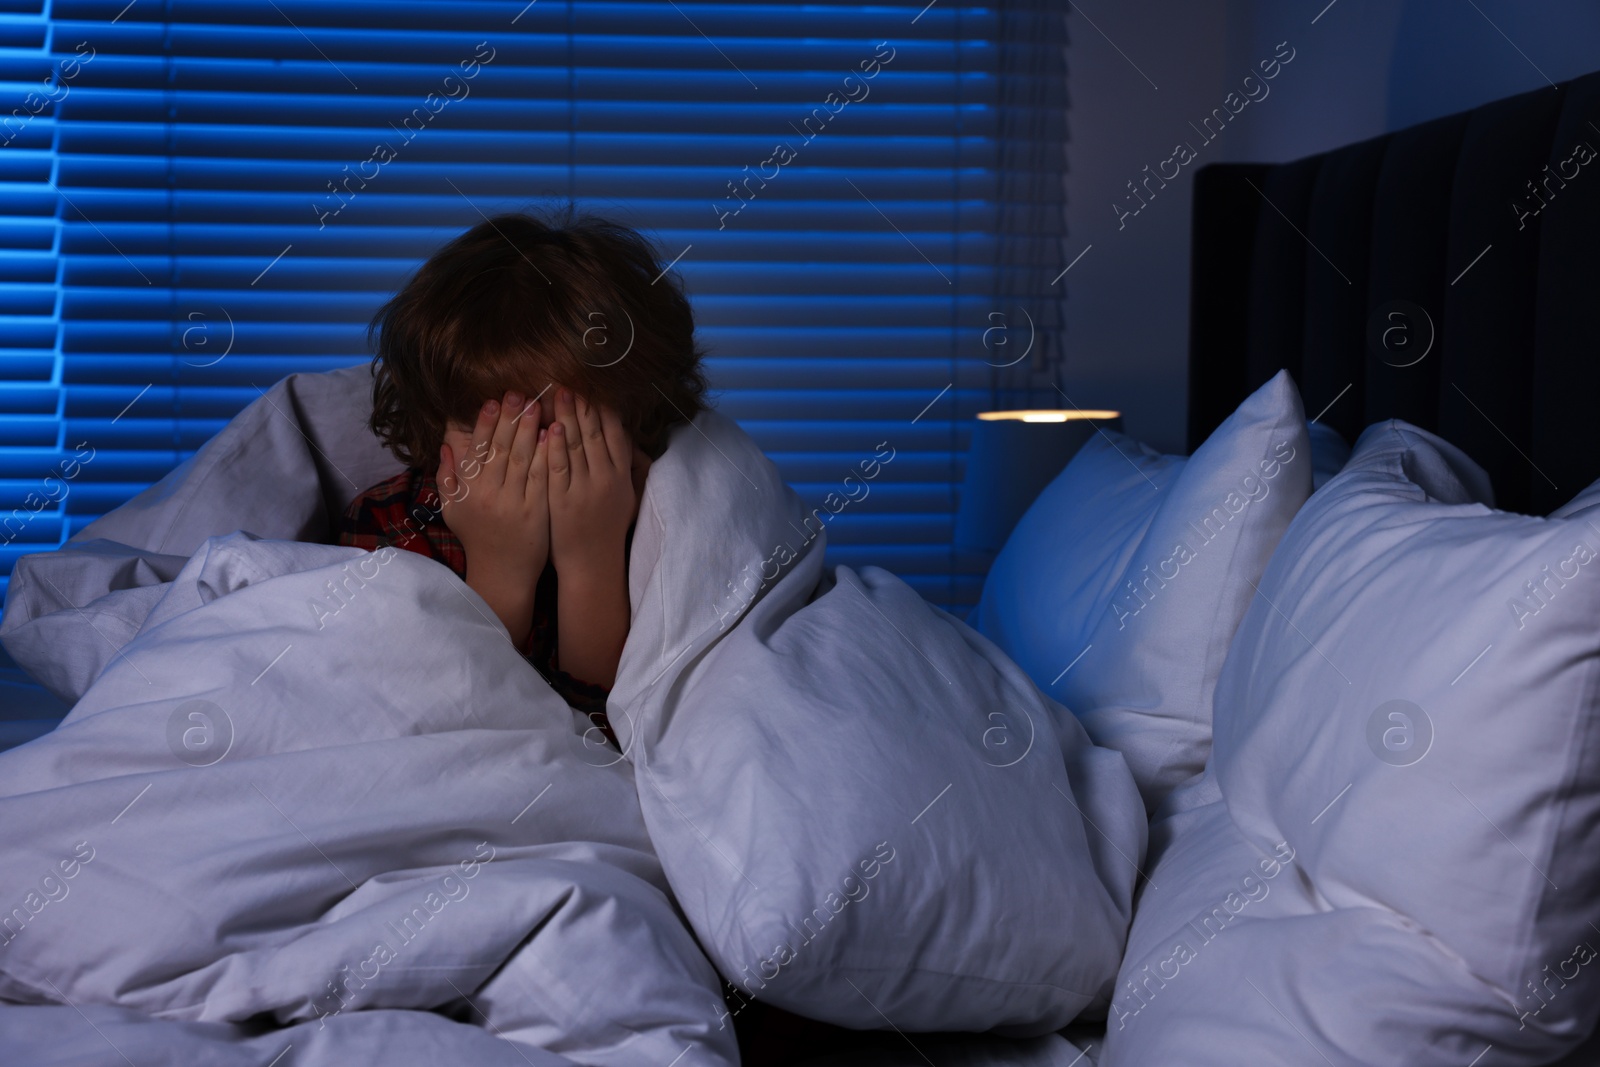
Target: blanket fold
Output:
{"points": [[318, 781]]}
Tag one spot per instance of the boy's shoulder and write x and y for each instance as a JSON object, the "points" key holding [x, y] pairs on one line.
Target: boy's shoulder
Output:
{"points": [[370, 519], [397, 490]]}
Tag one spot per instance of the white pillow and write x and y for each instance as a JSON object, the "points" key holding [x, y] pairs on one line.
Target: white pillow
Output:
{"points": [[1410, 706], [865, 809], [1586, 504], [1233, 960], [1120, 589]]}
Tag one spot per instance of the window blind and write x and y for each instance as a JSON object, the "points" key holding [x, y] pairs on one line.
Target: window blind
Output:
{"points": [[214, 195]]}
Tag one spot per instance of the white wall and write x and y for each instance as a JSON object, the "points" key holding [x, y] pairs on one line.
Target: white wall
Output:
{"points": [[1361, 68]]}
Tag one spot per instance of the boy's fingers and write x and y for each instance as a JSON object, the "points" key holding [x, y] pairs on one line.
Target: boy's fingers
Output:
{"points": [[523, 441], [571, 433], [539, 477], [595, 452], [557, 456], [482, 431], [505, 429], [618, 445], [539, 465]]}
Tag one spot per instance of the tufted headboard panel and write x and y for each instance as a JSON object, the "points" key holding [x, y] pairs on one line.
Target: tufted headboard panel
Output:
{"points": [[1447, 274]]}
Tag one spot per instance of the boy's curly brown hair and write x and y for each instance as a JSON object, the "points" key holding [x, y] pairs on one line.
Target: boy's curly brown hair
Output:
{"points": [[518, 302]]}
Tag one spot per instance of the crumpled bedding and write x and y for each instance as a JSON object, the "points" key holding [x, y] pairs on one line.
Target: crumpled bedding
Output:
{"points": [[268, 813], [312, 798]]}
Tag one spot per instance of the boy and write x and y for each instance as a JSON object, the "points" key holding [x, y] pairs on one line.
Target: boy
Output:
{"points": [[526, 375]]}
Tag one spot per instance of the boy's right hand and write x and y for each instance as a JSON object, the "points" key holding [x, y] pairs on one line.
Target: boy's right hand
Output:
{"points": [[495, 500]]}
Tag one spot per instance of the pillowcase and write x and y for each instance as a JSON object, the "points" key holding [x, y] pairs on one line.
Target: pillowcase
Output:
{"points": [[1409, 719], [1121, 587], [1234, 959], [864, 808], [1585, 504]]}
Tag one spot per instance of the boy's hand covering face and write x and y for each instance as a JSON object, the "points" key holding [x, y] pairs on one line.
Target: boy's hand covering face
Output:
{"points": [[495, 497], [592, 485]]}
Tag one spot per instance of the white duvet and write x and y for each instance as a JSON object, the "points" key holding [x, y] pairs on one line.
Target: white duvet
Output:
{"points": [[284, 814], [310, 802]]}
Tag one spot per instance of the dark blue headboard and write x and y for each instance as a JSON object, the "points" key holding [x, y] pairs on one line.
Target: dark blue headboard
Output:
{"points": [[1447, 274]]}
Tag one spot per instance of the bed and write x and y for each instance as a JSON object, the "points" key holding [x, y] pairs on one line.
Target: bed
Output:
{"points": [[1443, 275], [311, 796], [1231, 761]]}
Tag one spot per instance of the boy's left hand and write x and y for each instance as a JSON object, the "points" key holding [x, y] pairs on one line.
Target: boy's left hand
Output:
{"points": [[591, 486]]}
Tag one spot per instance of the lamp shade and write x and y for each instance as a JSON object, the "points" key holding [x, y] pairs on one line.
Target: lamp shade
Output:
{"points": [[1011, 457]]}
